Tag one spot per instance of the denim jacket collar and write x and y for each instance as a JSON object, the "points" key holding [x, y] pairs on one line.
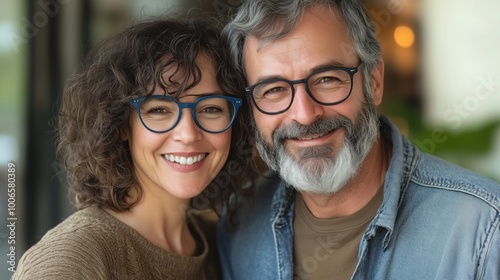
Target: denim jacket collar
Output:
{"points": [[404, 160]]}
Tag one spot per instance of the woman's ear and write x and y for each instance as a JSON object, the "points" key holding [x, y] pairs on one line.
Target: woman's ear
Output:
{"points": [[377, 80], [124, 133]]}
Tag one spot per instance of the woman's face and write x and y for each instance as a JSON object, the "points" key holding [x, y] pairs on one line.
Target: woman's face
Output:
{"points": [[179, 163]]}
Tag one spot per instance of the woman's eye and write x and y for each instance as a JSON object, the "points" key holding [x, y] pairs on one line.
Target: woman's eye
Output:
{"points": [[158, 110], [211, 110]]}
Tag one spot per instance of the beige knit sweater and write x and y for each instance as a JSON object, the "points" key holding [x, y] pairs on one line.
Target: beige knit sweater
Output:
{"points": [[92, 244]]}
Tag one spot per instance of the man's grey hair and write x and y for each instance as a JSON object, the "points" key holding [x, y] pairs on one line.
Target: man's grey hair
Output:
{"points": [[270, 20]]}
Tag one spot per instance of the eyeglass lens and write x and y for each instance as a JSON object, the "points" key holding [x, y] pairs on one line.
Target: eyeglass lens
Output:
{"points": [[211, 114], [328, 86]]}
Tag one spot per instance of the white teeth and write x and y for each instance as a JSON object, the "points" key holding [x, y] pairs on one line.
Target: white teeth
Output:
{"points": [[184, 160], [313, 137]]}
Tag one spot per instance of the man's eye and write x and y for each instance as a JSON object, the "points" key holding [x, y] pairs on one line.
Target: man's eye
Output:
{"points": [[274, 90], [329, 79]]}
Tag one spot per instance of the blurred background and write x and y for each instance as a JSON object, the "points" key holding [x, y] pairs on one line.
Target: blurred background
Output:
{"points": [[442, 86]]}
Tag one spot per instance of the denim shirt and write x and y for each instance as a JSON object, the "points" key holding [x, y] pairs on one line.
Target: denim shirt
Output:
{"points": [[437, 221]]}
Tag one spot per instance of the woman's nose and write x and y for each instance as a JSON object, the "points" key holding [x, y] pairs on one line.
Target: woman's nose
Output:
{"points": [[187, 130]]}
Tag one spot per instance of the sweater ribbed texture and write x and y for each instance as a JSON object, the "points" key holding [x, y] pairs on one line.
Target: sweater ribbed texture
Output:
{"points": [[92, 244]]}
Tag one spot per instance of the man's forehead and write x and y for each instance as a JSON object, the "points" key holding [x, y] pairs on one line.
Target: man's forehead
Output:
{"points": [[302, 42], [286, 44]]}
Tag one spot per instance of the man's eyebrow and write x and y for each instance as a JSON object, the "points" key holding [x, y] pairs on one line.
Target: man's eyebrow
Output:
{"points": [[269, 77], [332, 63], [329, 64]]}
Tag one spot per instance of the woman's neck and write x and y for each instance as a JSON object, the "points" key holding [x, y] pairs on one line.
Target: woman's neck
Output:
{"points": [[162, 221]]}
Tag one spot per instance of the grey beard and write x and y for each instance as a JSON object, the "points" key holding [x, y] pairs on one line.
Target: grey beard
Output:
{"points": [[317, 170]]}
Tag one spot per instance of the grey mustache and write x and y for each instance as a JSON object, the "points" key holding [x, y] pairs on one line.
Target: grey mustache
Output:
{"points": [[321, 126]]}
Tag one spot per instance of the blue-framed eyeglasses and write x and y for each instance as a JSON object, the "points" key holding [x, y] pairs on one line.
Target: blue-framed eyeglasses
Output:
{"points": [[327, 86], [212, 113]]}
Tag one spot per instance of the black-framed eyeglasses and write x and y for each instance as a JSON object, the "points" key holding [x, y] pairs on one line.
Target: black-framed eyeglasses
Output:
{"points": [[212, 113], [327, 86]]}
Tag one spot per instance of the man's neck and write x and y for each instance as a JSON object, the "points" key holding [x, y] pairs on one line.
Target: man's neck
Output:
{"points": [[358, 191]]}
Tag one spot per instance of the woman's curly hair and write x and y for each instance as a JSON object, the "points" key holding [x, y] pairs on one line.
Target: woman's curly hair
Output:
{"points": [[129, 65]]}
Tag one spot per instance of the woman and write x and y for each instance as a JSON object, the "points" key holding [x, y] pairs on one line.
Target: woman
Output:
{"points": [[143, 129]]}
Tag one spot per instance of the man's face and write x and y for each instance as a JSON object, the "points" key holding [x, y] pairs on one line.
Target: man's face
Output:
{"points": [[315, 148]]}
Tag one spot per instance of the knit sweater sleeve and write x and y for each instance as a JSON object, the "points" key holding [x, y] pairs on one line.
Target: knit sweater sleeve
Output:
{"points": [[69, 251], [60, 260]]}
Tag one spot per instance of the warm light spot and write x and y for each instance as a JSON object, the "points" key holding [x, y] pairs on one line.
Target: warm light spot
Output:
{"points": [[404, 36]]}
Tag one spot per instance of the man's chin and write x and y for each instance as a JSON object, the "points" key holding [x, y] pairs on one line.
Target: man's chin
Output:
{"points": [[314, 165]]}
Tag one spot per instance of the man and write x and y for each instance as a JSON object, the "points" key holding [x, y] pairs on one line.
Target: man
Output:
{"points": [[350, 197]]}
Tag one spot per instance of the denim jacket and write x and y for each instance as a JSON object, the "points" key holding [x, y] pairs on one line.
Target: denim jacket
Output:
{"points": [[437, 221]]}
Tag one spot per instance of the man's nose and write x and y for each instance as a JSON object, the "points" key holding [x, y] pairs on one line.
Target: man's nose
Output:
{"points": [[304, 109]]}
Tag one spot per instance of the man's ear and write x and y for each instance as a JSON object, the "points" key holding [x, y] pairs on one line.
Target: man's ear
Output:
{"points": [[377, 82]]}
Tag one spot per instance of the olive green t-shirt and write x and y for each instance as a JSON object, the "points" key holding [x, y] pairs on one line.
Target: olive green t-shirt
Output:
{"points": [[328, 248]]}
